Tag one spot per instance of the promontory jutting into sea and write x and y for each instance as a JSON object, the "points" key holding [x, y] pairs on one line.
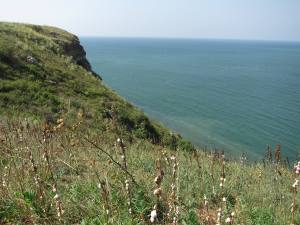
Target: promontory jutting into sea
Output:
{"points": [[234, 95]]}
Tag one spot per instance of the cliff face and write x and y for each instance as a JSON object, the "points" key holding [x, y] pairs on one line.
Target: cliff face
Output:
{"points": [[69, 43], [78, 53]]}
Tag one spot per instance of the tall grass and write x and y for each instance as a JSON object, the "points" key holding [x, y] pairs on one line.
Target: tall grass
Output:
{"points": [[69, 174]]}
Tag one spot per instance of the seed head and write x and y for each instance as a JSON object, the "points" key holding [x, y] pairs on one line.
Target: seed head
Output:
{"points": [[157, 191]]}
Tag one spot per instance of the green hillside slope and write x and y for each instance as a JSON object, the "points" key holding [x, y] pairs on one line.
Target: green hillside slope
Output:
{"points": [[44, 73]]}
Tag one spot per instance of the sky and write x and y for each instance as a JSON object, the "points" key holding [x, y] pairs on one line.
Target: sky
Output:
{"points": [[220, 19]]}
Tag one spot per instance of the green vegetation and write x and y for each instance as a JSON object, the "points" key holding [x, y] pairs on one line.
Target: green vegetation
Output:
{"points": [[61, 163], [44, 74], [91, 185]]}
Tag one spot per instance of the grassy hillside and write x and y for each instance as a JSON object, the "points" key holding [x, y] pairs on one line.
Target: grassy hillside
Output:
{"points": [[92, 179], [73, 152], [44, 74]]}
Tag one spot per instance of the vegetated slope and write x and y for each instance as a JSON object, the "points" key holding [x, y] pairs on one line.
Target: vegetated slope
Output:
{"points": [[44, 73], [72, 169], [72, 175]]}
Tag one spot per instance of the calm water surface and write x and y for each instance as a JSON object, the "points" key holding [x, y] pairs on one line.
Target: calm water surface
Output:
{"points": [[236, 95]]}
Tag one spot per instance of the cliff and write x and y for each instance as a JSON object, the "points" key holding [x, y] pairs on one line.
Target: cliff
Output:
{"points": [[44, 73]]}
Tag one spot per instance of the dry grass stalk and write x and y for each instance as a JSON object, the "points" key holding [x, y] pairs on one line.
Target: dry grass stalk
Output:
{"points": [[277, 153], [112, 160], [243, 159], [205, 214], [222, 184], [212, 170], [58, 203], [4, 177], [269, 154], [197, 158], [127, 181], [230, 219], [295, 189], [60, 124], [173, 198], [37, 180], [46, 157], [157, 190], [105, 195], [166, 157], [206, 203]]}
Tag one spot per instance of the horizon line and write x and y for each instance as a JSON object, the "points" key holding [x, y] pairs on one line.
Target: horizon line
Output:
{"points": [[190, 38]]}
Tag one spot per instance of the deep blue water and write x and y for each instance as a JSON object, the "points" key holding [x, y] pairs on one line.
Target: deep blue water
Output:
{"points": [[236, 95]]}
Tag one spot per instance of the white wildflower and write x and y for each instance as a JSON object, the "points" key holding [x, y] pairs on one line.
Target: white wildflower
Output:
{"points": [[153, 216], [297, 168], [56, 196], [228, 220], [295, 185]]}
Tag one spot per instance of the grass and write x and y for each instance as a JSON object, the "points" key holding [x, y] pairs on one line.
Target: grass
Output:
{"points": [[92, 189]]}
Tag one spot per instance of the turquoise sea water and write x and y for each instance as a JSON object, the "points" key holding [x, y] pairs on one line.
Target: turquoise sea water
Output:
{"points": [[236, 95]]}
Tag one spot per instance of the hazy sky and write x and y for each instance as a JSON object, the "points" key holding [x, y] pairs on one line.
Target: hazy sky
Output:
{"points": [[234, 19]]}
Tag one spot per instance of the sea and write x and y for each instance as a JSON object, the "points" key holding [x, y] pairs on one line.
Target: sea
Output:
{"points": [[233, 95]]}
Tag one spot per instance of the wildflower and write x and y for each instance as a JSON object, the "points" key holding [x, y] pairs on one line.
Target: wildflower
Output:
{"points": [[297, 168], [153, 216], [56, 196], [228, 220], [224, 199], [205, 200], [223, 179], [60, 121], [295, 185], [127, 184], [292, 207], [219, 214]]}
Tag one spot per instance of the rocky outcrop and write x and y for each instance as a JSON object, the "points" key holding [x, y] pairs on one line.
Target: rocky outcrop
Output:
{"points": [[74, 49], [77, 52]]}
